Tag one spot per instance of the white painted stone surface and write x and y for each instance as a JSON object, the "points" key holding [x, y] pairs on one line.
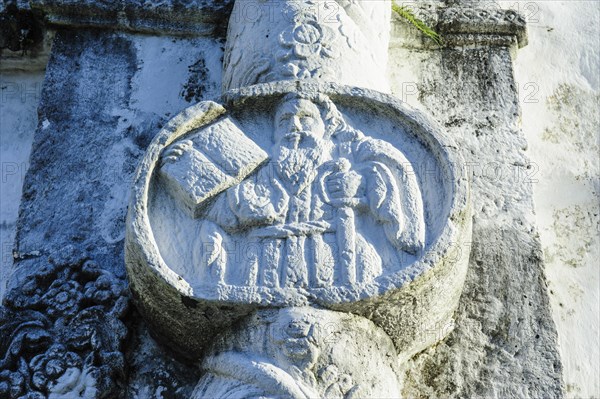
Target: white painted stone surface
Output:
{"points": [[19, 97], [301, 353], [205, 164], [343, 41], [415, 209], [559, 82], [301, 214]]}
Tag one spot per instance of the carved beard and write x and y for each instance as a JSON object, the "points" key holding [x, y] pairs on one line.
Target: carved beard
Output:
{"points": [[297, 164]]}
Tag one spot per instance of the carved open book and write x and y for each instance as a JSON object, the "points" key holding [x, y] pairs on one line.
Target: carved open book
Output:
{"points": [[208, 162]]}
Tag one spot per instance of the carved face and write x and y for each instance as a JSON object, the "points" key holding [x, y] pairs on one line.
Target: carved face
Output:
{"points": [[295, 340], [297, 119]]}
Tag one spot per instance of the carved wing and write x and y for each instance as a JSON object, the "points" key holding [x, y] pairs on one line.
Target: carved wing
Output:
{"points": [[394, 194]]}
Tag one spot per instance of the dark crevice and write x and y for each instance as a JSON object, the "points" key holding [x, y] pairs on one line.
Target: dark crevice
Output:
{"points": [[20, 30]]}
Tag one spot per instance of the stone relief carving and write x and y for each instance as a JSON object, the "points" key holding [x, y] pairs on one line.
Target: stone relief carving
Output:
{"points": [[304, 39], [65, 331], [301, 353], [298, 193], [307, 217], [304, 45], [293, 199]]}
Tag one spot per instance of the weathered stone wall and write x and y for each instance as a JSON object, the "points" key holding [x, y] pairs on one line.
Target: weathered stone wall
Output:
{"points": [[105, 96], [20, 93], [504, 331]]}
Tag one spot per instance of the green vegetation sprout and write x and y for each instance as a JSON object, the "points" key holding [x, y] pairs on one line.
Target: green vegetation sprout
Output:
{"points": [[405, 13]]}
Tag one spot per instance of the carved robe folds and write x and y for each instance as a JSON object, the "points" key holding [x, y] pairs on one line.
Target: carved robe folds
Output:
{"points": [[271, 231], [300, 193]]}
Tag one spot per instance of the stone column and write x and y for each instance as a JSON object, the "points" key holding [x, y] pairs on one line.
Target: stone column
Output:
{"points": [[307, 188]]}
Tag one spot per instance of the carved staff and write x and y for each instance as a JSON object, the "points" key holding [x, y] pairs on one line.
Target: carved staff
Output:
{"points": [[344, 222]]}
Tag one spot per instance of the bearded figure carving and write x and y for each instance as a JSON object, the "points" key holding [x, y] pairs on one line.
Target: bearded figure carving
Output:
{"points": [[297, 236], [330, 207]]}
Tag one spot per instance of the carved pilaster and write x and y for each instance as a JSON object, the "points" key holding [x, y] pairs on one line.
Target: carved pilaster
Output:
{"points": [[469, 86], [463, 23]]}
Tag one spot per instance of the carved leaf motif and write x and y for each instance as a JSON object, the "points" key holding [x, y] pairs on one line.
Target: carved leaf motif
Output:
{"points": [[63, 298], [286, 38], [48, 368], [66, 313], [12, 384]]}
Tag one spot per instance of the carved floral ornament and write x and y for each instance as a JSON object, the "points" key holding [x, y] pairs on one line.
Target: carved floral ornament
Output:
{"points": [[303, 42], [306, 39], [65, 331]]}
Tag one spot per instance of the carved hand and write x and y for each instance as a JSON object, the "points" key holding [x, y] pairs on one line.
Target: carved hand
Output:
{"points": [[176, 150]]}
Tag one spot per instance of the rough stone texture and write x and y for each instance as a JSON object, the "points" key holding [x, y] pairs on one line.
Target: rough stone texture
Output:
{"points": [[20, 30], [66, 126], [504, 344], [475, 22], [104, 96], [156, 16], [107, 111], [20, 94]]}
